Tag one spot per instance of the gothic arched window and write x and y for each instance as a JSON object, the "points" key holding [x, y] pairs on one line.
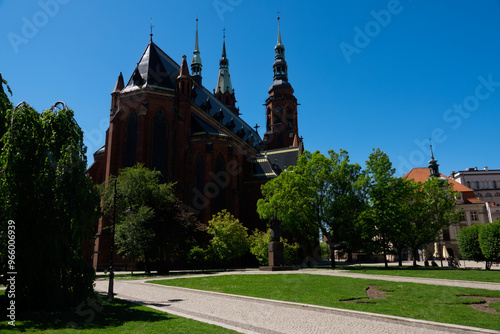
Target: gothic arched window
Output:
{"points": [[131, 142], [222, 181], [159, 143], [199, 184]]}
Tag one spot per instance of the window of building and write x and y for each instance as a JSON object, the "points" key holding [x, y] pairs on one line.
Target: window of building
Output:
{"points": [[488, 195], [497, 194], [199, 183], [222, 182], [477, 184], [468, 184], [463, 216], [131, 142], [446, 234], [473, 216], [494, 184], [159, 143], [479, 195]]}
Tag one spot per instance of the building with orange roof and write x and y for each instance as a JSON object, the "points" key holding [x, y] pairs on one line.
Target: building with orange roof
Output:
{"points": [[486, 186], [473, 209]]}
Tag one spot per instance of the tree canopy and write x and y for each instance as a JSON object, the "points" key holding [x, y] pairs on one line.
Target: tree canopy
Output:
{"points": [[319, 194], [468, 243], [159, 232], [229, 237], [46, 192], [368, 210], [489, 241]]}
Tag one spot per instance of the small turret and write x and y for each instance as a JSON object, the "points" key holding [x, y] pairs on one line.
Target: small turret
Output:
{"points": [[115, 99], [184, 79], [433, 166]]}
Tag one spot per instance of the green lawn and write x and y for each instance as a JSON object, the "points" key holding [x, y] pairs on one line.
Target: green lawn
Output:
{"points": [[429, 272], [118, 317], [128, 276], [418, 301]]}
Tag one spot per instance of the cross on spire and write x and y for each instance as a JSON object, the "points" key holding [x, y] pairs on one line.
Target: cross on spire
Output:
{"points": [[430, 144], [256, 127], [151, 27]]}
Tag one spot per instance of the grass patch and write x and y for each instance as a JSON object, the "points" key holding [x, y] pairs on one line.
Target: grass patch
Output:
{"points": [[461, 274], [142, 275], [117, 317], [410, 300]]}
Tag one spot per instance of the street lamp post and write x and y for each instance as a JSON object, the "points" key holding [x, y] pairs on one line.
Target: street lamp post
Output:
{"points": [[112, 248]]}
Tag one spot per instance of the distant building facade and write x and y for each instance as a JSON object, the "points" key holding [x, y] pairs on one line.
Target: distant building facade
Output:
{"points": [[166, 119], [486, 186], [473, 210]]}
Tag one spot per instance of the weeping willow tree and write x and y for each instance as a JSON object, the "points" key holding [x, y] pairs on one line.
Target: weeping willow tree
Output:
{"points": [[46, 193]]}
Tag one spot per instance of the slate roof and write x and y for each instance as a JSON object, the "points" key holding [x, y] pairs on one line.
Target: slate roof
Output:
{"points": [[269, 164], [157, 71]]}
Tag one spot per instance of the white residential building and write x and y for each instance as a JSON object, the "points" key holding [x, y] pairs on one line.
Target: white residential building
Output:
{"points": [[486, 186]]}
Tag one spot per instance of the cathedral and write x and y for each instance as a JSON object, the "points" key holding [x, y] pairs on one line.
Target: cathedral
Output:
{"points": [[165, 119]]}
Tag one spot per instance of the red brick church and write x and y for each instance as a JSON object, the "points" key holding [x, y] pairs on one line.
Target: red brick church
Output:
{"points": [[166, 119]]}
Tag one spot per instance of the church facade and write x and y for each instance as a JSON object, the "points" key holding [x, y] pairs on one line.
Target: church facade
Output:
{"points": [[165, 119]]}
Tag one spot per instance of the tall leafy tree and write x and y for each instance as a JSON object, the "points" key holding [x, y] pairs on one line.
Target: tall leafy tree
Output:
{"points": [[160, 232], [489, 241], [433, 209], [382, 220], [5, 105], [468, 243], [319, 194], [46, 192], [229, 237]]}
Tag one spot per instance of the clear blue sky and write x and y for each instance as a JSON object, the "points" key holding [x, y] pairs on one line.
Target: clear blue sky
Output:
{"points": [[367, 74]]}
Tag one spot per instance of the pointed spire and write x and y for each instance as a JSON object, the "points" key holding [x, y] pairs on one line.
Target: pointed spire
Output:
{"points": [[196, 62], [184, 72], [280, 66], [224, 80], [224, 43], [196, 48], [279, 31], [119, 84]]}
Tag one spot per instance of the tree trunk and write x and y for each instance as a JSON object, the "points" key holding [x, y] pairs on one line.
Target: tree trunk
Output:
{"points": [[400, 257], [385, 258], [349, 255], [332, 254], [146, 265], [332, 251], [415, 254]]}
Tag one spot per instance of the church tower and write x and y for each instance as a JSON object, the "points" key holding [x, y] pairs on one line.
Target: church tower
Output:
{"points": [[282, 128], [224, 91], [196, 62]]}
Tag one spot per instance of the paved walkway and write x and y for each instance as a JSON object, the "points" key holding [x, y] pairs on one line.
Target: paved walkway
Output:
{"points": [[256, 315]]}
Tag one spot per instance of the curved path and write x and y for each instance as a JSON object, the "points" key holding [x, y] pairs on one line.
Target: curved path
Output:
{"points": [[257, 315]]}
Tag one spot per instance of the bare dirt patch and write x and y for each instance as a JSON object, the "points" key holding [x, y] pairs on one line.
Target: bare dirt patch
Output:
{"points": [[484, 306], [372, 292]]}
